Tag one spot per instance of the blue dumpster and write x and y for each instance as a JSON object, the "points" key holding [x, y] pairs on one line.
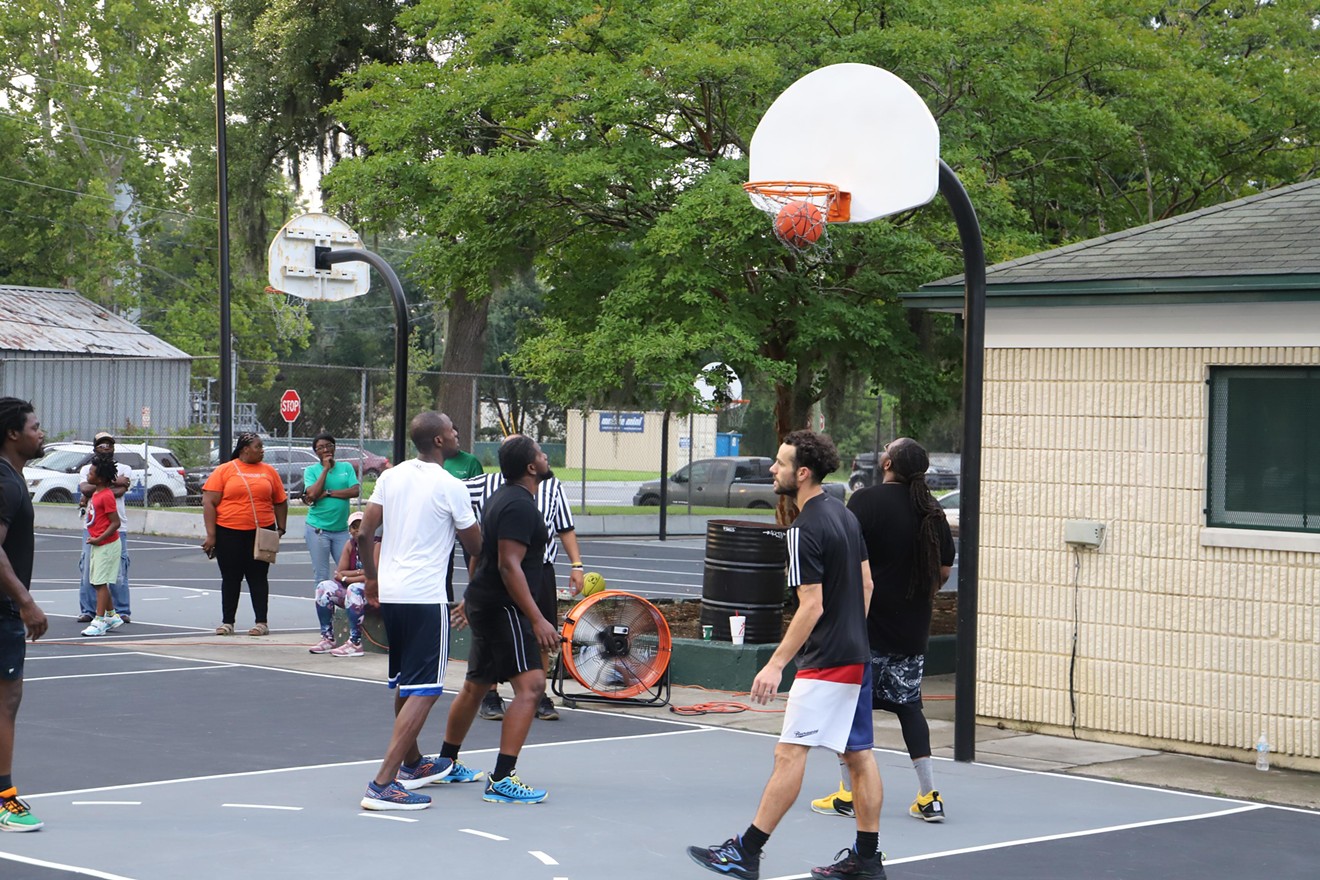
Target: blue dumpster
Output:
{"points": [[727, 444]]}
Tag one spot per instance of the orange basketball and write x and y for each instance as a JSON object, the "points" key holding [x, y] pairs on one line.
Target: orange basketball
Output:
{"points": [[799, 223]]}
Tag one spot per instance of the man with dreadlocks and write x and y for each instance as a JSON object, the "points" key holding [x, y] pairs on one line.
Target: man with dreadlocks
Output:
{"points": [[910, 549], [20, 616]]}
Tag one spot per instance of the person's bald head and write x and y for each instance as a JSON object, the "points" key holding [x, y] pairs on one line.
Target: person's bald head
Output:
{"points": [[434, 436]]}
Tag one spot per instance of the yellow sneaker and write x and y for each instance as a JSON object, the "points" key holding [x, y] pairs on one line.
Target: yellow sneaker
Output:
{"points": [[927, 807], [837, 803]]}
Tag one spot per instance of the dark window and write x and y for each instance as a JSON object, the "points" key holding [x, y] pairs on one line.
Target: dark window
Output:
{"points": [[131, 459], [166, 459], [1265, 448]]}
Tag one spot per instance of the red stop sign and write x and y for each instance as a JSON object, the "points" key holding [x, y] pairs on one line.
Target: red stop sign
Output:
{"points": [[290, 406]]}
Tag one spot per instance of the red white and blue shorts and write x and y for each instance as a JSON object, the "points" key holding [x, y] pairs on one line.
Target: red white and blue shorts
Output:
{"points": [[830, 708]]}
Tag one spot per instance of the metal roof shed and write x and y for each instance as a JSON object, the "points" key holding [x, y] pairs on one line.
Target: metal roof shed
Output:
{"points": [[87, 369]]}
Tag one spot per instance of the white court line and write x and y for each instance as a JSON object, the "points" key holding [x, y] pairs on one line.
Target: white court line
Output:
{"points": [[1067, 835], [485, 834], [132, 672], [73, 869], [541, 857], [391, 818], [263, 807], [372, 762], [31, 657], [106, 803]]}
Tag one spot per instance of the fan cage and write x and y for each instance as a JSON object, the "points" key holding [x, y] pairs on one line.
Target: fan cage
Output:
{"points": [[610, 662]]}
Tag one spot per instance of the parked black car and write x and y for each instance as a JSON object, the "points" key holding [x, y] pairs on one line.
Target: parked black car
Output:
{"points": [[288, 462], [939, 478]]}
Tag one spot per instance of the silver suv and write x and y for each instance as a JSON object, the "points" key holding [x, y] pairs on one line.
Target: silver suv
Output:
{"points": [[157, 475]]}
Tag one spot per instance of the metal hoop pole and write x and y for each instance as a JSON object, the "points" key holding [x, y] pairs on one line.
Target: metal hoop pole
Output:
{"points": [[228, 385], [969, 501], [329, 258]]}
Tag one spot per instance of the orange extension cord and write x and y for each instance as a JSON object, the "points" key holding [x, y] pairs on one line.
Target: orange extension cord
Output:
{"points": [[729, 707]]}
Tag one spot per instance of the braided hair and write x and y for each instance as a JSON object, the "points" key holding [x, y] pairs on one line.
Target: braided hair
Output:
{"points": [[244, 440], [104, 468], [909, 462]]}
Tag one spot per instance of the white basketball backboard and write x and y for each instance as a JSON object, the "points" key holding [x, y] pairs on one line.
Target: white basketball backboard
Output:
{"points": [[721, 393], [291, 260], [858, 127]]}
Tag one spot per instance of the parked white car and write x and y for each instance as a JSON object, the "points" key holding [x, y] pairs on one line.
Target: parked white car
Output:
{"points": [[157, 477]]}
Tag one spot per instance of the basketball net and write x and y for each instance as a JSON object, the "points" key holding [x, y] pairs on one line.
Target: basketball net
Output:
{"points": [[809, 234], [288, 313], [734, 412]]}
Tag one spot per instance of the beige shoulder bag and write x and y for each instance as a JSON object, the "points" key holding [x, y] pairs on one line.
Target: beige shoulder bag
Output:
{"points": [[266, 544]]}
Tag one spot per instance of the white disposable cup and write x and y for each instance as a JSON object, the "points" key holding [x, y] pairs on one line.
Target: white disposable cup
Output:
{"points": [[737, 629]]}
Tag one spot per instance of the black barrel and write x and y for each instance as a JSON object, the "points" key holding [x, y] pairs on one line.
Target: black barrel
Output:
{"points": [[744, 574]]}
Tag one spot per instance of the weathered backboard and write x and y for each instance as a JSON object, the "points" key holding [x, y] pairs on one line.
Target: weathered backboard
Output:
{"points": [[291, 260], [858, 127]]}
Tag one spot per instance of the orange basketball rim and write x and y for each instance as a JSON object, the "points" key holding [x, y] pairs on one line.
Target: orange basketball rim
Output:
{"points": [[616, 644]]}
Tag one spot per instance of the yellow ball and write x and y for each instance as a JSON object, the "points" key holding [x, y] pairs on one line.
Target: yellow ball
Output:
{"points": [[592, 584]]}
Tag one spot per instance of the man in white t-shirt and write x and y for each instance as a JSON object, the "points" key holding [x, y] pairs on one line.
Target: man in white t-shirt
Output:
{"points": [[104, 444], [422, 508]]}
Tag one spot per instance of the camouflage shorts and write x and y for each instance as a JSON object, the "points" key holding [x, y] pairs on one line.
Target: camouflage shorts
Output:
{"points": [[896, 679]]}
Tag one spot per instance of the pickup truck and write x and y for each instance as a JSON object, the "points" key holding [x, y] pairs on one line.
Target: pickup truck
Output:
{"points": [[736, 481]]}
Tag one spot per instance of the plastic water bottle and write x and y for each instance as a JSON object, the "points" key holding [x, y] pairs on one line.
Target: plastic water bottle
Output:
{"points": [[1262, 753]]}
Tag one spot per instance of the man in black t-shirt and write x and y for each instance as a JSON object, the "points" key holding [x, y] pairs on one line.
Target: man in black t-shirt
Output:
{"points": [[20, 617], [911, 553], [829, 704], [508, 629]]}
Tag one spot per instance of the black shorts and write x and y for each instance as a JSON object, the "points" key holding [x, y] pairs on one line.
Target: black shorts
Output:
{"points": [[544, 594], [503, 646], [13, 648], [419, 647]]}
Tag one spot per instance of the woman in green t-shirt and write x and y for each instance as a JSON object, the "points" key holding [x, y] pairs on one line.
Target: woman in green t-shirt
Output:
{"points": [[329, 486]]}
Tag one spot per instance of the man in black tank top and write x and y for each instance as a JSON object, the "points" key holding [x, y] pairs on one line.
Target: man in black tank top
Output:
{"points": [[20, 617]]}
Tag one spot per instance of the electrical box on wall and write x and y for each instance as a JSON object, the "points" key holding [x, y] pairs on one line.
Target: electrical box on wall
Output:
{"points": [[1083, 533]]}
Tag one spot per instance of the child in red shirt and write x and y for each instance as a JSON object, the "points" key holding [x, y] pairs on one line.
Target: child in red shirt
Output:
{"points": [[103, 534]]}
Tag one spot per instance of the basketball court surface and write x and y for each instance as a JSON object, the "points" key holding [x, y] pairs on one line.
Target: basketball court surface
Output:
{"points": [[161, 753]]}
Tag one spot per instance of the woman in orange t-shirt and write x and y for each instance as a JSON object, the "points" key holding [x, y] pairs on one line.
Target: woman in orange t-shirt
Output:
{"points": [[241, 496]]}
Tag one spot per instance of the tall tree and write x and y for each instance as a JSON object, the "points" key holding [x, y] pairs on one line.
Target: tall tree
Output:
{"points": [[607, 141]]}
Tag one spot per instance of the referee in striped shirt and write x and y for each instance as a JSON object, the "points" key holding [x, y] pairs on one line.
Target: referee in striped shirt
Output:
{"points": [[552, 504]]}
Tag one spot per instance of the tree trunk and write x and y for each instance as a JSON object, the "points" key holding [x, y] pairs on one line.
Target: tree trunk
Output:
{"points": [[465, 348]]}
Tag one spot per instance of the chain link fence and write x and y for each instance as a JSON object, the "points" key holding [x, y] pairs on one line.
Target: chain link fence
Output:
{"points": [[166, 418]]}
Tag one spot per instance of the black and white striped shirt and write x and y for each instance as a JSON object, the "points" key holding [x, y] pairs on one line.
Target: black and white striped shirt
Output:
{"points": [[550, 501]]}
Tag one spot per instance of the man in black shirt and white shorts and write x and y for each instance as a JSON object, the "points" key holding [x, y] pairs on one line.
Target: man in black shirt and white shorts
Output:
{"points": [[20, 617], [829, 704], [509, 630]]}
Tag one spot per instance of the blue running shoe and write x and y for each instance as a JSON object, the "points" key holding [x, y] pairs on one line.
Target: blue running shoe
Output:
{"points": [[510, 790], [728, 858], [393, 797], [428, 769], [461, 772]]}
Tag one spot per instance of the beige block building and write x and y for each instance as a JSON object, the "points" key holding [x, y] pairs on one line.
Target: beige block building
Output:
{"points": [[1164, 382]]}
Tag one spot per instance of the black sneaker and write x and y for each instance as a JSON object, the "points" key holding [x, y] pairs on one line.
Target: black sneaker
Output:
{"points": [[850, 865], [85, 618], [547, 711], [728, 859], [492, 707]]}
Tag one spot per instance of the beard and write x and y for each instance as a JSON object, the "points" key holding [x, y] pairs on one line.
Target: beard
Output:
{"points": [[545, 475], [786, 490]]}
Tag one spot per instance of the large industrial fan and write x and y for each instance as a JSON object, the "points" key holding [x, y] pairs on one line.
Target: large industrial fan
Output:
{"points": [[617, 646]]}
